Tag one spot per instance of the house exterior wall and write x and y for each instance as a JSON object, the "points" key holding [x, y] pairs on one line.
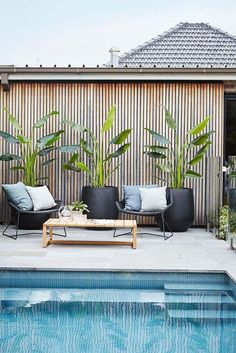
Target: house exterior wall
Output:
{"points": [[138, 106]]}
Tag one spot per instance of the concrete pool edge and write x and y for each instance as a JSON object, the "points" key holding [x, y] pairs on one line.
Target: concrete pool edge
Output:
{"points": [[232, 276]]}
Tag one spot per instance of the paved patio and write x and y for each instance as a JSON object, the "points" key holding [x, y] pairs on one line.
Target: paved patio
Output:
{"points": [[196, 250]]}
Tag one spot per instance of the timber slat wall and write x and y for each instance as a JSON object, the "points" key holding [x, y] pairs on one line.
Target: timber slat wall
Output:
{"points": [[138, 106]]}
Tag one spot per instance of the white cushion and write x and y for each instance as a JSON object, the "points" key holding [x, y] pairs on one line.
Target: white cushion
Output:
{"points": [[41, 197], [153, 199]]}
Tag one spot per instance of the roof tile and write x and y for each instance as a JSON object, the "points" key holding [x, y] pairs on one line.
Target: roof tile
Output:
{"points": [[189, 44]]}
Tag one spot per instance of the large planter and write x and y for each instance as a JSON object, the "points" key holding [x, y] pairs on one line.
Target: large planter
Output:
{"points": [[232, 199], [101, 202], [180, 215]]}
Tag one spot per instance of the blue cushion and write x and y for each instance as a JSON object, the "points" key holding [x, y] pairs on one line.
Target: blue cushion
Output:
{"points": [[132, 196], [17, 194]]}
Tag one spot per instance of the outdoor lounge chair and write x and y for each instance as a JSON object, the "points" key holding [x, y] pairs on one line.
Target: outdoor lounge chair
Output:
{"points": [[29, 220], [121, 207]]}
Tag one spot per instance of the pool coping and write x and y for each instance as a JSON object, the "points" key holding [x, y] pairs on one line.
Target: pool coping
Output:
{"points": [[64, 269]]}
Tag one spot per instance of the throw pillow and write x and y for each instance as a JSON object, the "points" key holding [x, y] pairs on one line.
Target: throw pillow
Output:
{"points": [[17, 194], [132, 196], [41, 197], [153, 199]]}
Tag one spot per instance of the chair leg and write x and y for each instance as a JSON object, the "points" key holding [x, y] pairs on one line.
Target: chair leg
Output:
{"points": [[163, 235], [120, 235], [163, 225], [62, 235], [14, 236]]}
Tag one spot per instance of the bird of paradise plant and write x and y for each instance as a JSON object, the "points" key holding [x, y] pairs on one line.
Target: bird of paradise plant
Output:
{"points": [[179, 163], [30, 149], [97, 152]]}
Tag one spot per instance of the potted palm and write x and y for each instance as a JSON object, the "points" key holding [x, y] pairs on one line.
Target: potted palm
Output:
{"points": [[98, 159], [178, 160]]}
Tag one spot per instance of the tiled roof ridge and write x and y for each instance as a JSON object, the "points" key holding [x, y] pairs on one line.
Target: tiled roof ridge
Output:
{"points": [[170, 32], [154, 39], [225, 33]]}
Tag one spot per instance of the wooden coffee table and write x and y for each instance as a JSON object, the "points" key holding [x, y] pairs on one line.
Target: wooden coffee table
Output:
{"points": [[89, 223]]}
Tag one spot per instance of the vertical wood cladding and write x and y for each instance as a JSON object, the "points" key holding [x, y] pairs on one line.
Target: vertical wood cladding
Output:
{"points": [[138, 106]]}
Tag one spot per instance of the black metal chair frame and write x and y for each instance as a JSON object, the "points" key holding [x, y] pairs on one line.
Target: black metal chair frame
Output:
{"points": [[20, 212], [121, 207]]}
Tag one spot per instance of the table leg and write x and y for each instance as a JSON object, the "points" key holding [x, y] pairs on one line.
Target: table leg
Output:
{"points": [[45, 243], [134, 233], [50, 232]]}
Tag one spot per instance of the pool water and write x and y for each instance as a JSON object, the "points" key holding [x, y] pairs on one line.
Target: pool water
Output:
{"points": [[106, 312]]}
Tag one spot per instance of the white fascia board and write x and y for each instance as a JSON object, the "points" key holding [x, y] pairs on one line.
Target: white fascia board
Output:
{"points": [[128, 76]]}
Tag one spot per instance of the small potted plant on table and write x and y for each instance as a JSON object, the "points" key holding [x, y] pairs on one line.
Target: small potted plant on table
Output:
{"points": [[77, 211]]}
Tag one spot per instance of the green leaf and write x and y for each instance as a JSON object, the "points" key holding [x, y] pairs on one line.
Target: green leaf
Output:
{"points": [[196, 159], [202, 139], [10, 157], [156, 148], [158, 137], [191, 174], [204, 148], [156, 155], [49, 140], [85, 146], [13, 120], [82, 167], [169, 120], [23, 139], [199, 155], [163, 168], [232, 175], [201, 126], [9, 138], [46, 150], [68, 148], [44, 119], [47, 162], [73, 158], [74, 125], [109, 119], [121, 137], [121, 150], [68, 166]]}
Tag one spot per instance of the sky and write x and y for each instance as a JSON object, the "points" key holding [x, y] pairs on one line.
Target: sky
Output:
{"points": [[79, 32]]}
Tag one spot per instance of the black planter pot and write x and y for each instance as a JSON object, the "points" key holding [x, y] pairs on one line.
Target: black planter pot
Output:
{"points": [[180, 215], [232, 199], [101, 202]]}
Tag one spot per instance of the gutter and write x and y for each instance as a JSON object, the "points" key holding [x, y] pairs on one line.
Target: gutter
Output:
{"points": [[39, 74]]}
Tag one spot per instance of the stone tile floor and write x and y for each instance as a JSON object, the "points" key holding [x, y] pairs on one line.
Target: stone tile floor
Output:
{"points": [[195, 250]]}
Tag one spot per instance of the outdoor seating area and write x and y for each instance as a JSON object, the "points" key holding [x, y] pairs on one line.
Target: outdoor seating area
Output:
{"points": [[118, 183]]}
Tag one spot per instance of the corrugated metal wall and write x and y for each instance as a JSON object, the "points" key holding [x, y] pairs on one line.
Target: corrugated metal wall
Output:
{"points": [[138, 106]]}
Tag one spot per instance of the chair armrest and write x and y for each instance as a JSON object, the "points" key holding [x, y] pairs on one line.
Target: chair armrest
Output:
{"points": [[32, 212], [120, 205]]}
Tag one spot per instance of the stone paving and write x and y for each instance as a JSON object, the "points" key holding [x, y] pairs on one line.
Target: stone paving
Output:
{"points": [[195, 250]]}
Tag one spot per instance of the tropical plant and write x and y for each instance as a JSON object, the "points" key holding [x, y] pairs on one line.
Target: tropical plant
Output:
{"points": [[178, 158], [223, 222], [97, 151], [79, 206], [30, 149]]}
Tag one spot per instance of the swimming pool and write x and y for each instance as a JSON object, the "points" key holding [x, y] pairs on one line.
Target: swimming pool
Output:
{"points": [[113, 312]]}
